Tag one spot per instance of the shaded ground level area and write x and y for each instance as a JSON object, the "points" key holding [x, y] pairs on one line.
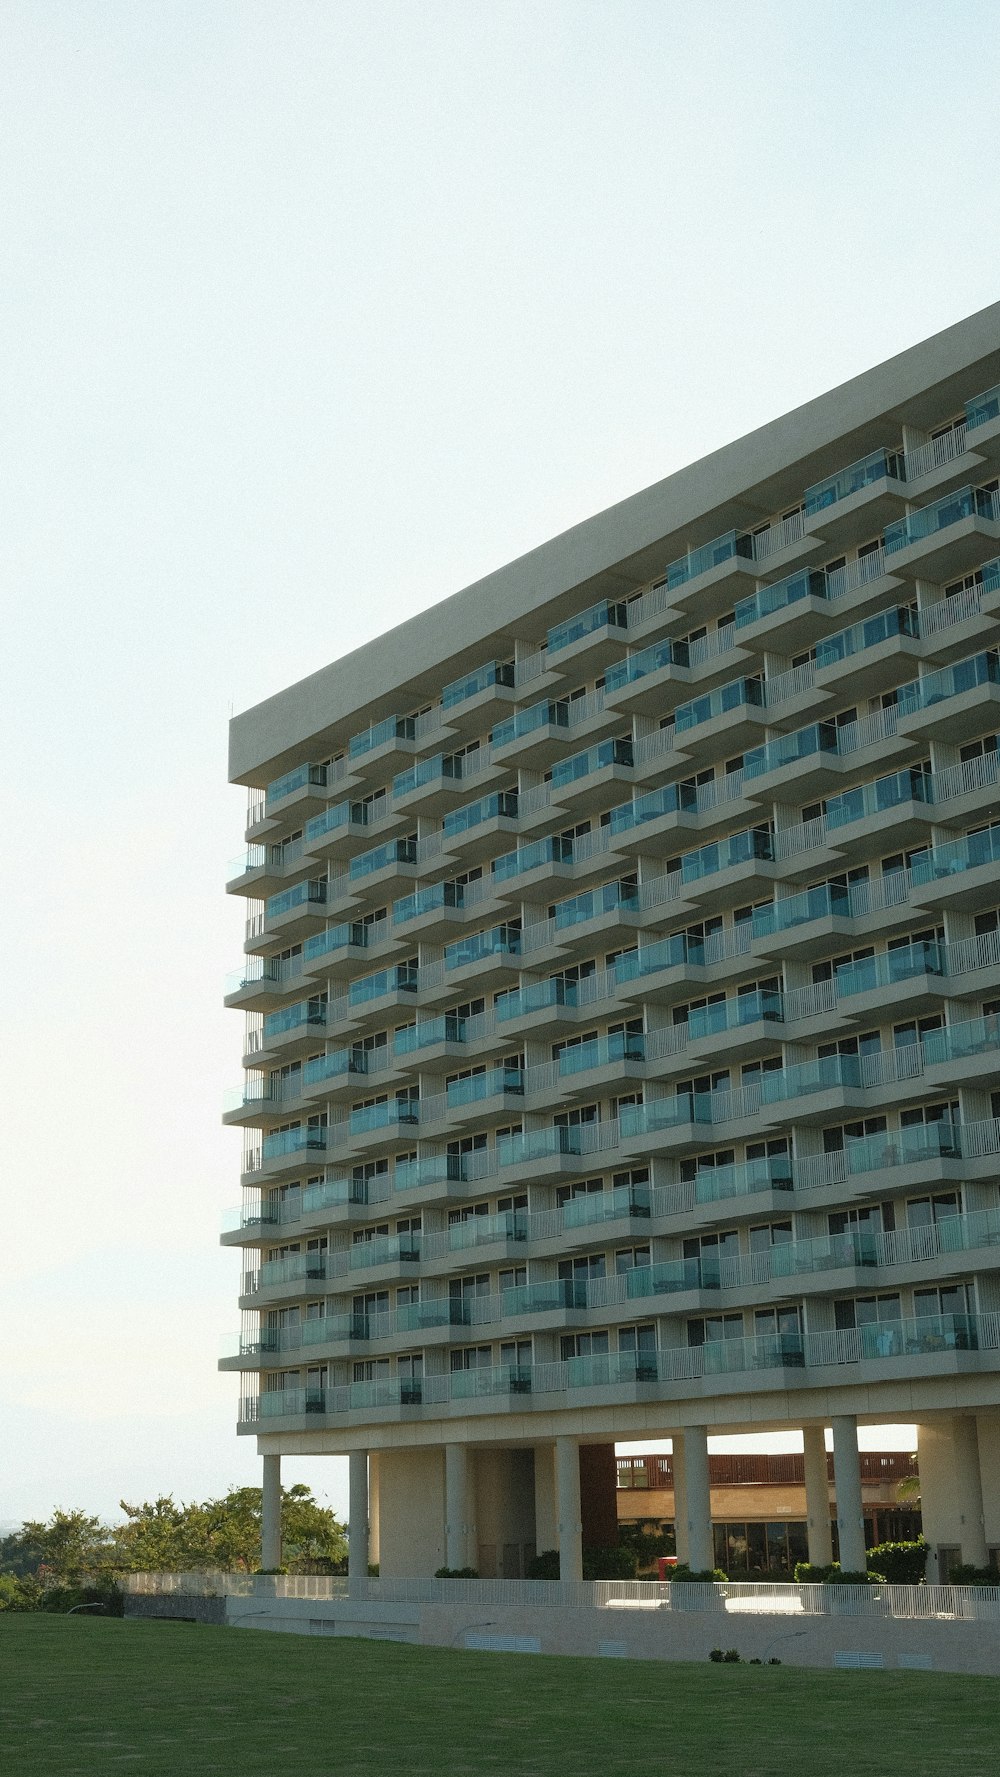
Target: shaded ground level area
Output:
{"points": [[79, 1696]]}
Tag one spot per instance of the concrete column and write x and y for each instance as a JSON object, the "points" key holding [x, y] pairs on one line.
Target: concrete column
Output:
{"points": [[680, 1501], [374, 1530], [357, 1547], [969, 1493], [270, 1514], [701, 1549], [568, 1502], [847, 1481], [819, 1529], [458, 1529], [988, 1438]]}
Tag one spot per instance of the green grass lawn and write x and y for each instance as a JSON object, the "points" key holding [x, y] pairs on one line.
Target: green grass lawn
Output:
{"points": [[104, 1696]]}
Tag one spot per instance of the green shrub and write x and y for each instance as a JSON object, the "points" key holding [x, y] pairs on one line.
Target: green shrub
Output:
{"points": [[810, 1573], [700, 1576], [456, 1573], [966, 1575], [904, 1564], [841, 1578], [731, 1657], [717, 1656], [610, 1564], [104, 1599], [18, 1592], [544, 1566]]}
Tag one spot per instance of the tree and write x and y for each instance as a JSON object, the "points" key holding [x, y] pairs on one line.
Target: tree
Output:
{"points": [[70, 1544]]}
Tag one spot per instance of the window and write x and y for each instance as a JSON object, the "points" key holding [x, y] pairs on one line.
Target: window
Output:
{"points": [[581, 1270], [583, 1345], [632, 1258], [709, 1328], [860, 1311], [768, 1234]]}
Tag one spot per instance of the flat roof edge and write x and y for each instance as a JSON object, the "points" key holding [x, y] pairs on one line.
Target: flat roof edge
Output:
{"points": [[266, 734]]}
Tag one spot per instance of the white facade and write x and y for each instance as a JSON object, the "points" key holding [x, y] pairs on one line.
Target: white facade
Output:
{"points": [[622, 994]]}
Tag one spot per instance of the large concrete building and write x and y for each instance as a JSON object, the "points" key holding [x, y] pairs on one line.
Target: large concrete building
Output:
{"points": [[622, 994]]}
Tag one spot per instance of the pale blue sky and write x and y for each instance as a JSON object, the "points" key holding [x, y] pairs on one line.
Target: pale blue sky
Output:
{"points": [[312, 313]]}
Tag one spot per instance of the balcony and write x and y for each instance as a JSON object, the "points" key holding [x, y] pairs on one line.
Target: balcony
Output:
{"points": [[429, 785], [591, 639], [729, 705], [944, 539], [301, 1020], [430, 1171], [557, 1293], [622, 1203], [917, 697], [717, 1184], [589, 779], [342, 827], [539, 855], [501, 941], [296, 909], [394, 1114], [966, 868], [493, 1082], [470, 700], [487, 1230], [394, 858], [870, 651], [487, 813], [535, 997], [348, 942], [903, 795], [307, 1139], [438, 900], [394, 734], [651, 669], [857, 500], [612, 897], [601, 1052], [306, 783], [385, 1249], [807, 584], [706, 578], [402, 978], [610, 1368], [921, 1336], [429, 1033], [489, 1380]]}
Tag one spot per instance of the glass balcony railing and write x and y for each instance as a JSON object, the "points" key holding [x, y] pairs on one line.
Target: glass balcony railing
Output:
{"points": [[536, 996], [660, 1114], [295, 1268], [333, 1193], [307, 1138], [960, 1041], [738, 694], [605, 615], [665, 1279], [551, 850], [901, 1147], [385, 1249], [599, 1369], [602, 1052], [724, 854], [495, 672], [304, 894], [950, 681], [927, 521], [402, 978], [959, 855], [733, 1014], [802, 743], [443, 768], [714, 1184], [395, 851], [427, 1032], [341, 814], [502, 940], [668, 799], [393, 1113], [796, 910], [665, 953], [523, 1146], [907, 963], [351, 936], [868, 800], [646, 661], [899, 621], [511, 1224], [880, 465], [807, 583], [427, 900], [387, 1391], [295, 780], [595, 902], [729, 547], [769, 1351], [393, 728], [489, 1379], [491, 1084], [543, 1298], [593, 1207], [306, 1012], [607, 752], [530, 721], [823, 1074], [416, 1317], [982, 408], [431, 1169], [336, 1066], [473, 814]]}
